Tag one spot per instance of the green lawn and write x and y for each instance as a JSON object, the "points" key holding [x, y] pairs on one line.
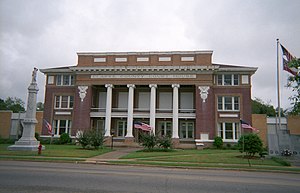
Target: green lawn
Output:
{"points": [[207, 156], [71, 151]]}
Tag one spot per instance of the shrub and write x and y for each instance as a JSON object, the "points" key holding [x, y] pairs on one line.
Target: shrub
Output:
{"points": [[165, 142], [148, 141], [90, 138], [96, 139], [64, 138], [251, 144], [218, 142], [37, 136]]}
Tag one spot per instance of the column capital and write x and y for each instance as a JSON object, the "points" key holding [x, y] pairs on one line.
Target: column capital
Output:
{"points": [[153, 85], [175, 85], [130, 85], [109, 85]]}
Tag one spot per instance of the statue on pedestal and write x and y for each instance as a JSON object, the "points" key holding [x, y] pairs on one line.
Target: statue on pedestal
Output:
{"points": [[28, 141]]}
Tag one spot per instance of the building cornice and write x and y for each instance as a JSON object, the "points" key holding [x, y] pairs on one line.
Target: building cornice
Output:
{"points": [[144, 53], [143, 68]]}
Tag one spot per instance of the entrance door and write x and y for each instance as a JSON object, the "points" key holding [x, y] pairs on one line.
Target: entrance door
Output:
{"points": [[164, 128]]}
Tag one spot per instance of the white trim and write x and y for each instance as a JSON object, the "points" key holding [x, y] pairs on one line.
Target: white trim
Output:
{"points": [[172, 76], [120, 59], [164, 59], [187, 58], [142, 59], [62, 113], [144, 53], [229, 115], [99, 59]]}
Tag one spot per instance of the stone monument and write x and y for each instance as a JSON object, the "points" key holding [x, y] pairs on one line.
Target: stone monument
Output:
{"points": [[28, 141]]}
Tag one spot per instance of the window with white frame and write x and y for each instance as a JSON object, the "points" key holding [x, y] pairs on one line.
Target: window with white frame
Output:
{"points": [[64, 102], [122, 127], [228, 79], [228, 131], [64, 80], [164, 128], [62, 126], [228, 103], [186, 130]]}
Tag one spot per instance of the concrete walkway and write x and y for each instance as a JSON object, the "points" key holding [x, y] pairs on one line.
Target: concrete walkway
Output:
{"points": [[113, 155]]}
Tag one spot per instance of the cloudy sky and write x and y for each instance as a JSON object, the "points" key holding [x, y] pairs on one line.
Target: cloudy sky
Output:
{"points": [[49, 33]]}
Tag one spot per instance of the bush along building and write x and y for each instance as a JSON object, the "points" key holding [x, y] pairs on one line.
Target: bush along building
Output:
{"points": [[178, 93]]}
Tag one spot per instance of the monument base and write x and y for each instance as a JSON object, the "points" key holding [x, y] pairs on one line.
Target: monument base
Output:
{"points": [[23, 145]]}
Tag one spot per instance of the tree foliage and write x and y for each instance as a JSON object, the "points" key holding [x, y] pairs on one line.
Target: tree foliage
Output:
{"points": [[251, 144], [260, 107], [294, 84], [90, 139], [12, 103]]}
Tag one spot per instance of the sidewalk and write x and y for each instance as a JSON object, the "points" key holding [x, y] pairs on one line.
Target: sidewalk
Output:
{"points": [[114, 155]]}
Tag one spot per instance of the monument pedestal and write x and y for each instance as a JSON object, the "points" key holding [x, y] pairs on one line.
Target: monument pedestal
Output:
{"points": [[28, 141]]}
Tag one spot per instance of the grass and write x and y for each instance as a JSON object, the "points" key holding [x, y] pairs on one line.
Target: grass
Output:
{"points": [[207, 156], [54, 151]]}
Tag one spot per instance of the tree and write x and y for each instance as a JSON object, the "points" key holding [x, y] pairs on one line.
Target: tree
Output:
{"points": [[260, 107], [40, 106], [12, 103], [251, 144], [294, 84]]}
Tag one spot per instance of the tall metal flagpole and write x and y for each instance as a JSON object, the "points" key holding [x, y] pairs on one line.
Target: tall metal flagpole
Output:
{"points": [[278, 85]]}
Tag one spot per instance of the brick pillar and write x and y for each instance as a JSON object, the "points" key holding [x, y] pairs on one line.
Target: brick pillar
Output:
{"points": [[205, 112], [82, 109]]}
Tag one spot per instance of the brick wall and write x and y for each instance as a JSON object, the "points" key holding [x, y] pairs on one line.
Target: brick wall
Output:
{"points": [[5, 123]]}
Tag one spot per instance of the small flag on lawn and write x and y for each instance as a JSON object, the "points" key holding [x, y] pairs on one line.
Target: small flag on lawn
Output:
{"points": [[48, 126], [142, 126], [246, 125]]}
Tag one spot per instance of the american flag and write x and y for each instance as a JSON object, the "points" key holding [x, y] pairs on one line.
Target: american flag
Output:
{"points": [[142, 126], [287, 57], [246, 125], [48, 126]]}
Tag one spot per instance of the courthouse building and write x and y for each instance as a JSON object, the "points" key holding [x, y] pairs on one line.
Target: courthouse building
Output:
{"points": [[178, 93]]}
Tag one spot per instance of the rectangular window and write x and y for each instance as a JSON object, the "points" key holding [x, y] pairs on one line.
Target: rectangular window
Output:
{"points": [[186, 130], [144, 101], [186, 101], [102, 100], [64, 102], [165, 128], [142, 59], [164, 59], [187, 59], [122, 126], [228, 79], [50, 79], [64, 80], [99, 59], [165, 101], [228, 103], [228, 131], [120, 59], [122, 100], [62, 126]]}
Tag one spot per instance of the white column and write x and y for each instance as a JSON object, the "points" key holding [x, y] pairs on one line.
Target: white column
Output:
{"points": [[130, 110], [108, 109], [153, 106], [175, 110]]}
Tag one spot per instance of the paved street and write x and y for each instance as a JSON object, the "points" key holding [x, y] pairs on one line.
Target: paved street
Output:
{"points": [[17, 176]]}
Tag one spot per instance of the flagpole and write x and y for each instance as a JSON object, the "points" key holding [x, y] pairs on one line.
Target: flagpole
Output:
{"points": [[278, 84]]}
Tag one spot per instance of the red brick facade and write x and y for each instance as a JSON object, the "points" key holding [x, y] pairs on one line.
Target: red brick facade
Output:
{"points": [[207, 115]]}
